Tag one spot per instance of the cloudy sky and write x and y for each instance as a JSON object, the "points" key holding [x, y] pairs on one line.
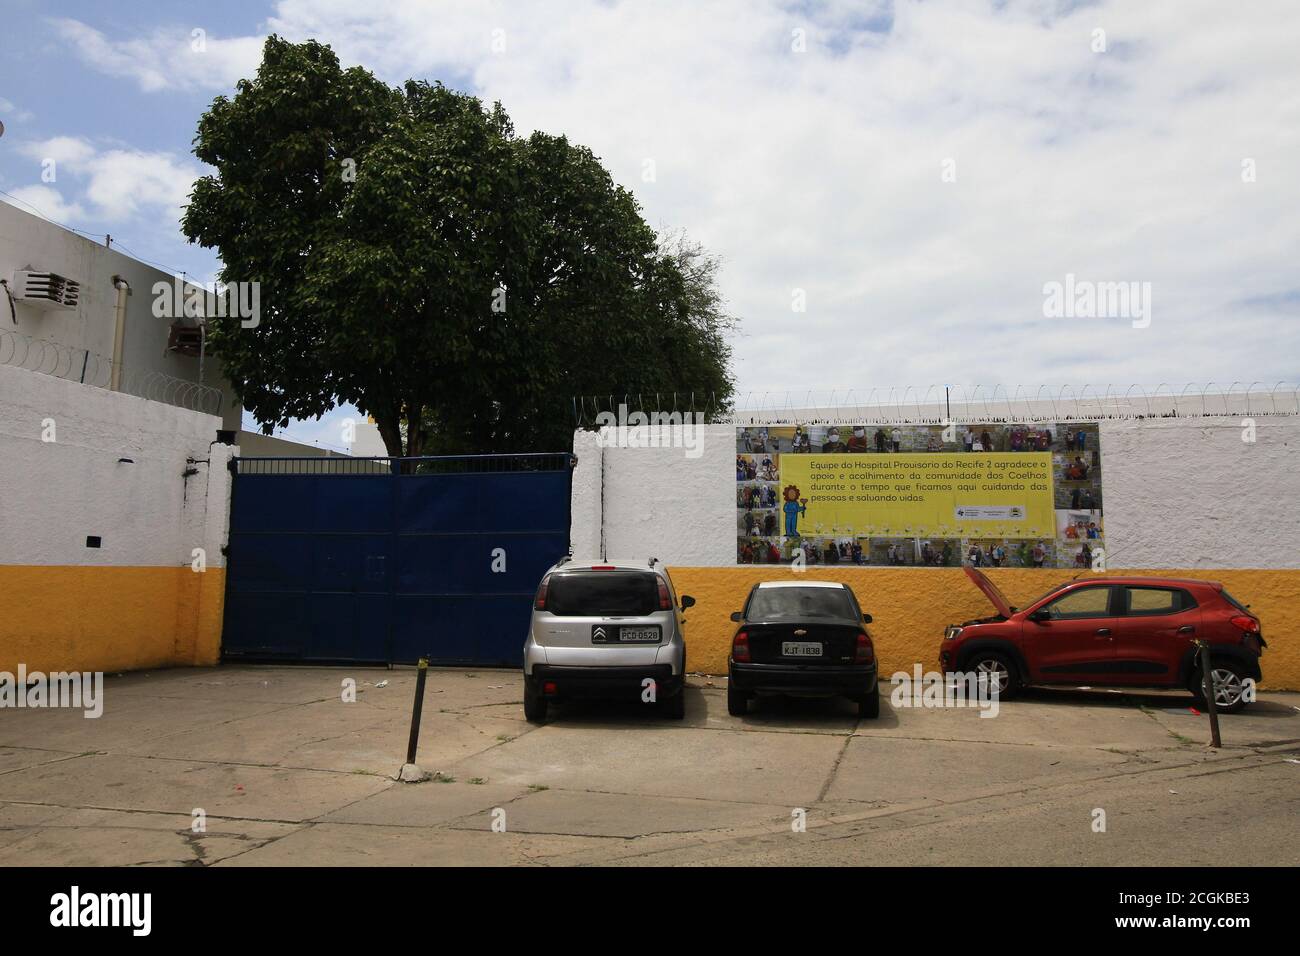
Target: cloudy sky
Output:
{"points": [[912, 173]]}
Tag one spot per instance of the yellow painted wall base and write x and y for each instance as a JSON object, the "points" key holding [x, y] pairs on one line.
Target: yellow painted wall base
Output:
{"points": [[114, 619], [911, 607], [107, 618]]}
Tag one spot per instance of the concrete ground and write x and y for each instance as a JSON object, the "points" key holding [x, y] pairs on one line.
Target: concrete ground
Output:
{"points": [[285, 772]]}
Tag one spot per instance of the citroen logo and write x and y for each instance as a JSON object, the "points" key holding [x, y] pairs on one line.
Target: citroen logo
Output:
{"points": [[598, 634]]}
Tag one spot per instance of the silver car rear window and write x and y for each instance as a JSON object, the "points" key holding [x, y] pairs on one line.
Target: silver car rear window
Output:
{"points": [[603, 594]]}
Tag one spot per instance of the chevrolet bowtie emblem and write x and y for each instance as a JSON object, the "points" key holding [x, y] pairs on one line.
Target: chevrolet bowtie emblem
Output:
{"points": [[800, 633]]}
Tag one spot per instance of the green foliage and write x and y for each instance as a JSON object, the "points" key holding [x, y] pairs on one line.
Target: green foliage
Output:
{"points": [[379, 288]]}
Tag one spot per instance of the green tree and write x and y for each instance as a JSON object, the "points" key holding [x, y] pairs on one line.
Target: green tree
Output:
{"points": [[454, 281]]}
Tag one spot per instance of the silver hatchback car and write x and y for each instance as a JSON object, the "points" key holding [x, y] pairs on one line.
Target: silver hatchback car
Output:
{"points": [[606, 629]]}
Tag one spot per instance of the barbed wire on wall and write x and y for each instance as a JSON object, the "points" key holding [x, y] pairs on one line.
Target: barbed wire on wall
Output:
{"points": [[588, 410], [89, 368], [936, 404]]}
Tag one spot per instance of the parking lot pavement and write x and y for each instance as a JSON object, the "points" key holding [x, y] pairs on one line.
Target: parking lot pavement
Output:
{"points": [[279, 769]]}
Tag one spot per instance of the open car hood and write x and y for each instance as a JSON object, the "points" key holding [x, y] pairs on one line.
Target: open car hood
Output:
{"points": [[996, 597]]}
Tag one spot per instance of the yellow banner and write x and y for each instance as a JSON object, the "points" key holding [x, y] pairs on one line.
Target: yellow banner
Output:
{"points": [[931, 495]]}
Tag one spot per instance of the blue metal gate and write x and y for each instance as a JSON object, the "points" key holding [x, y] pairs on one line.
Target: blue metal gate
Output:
{"points": [[391, 559]]}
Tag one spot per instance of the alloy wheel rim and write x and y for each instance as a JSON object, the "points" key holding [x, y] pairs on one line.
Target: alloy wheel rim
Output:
{"points": [[996, 670], [1227, 686]]}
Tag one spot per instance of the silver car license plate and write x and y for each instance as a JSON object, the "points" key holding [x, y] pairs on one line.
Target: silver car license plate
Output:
{"points": [[639, 635], [801, 649]]}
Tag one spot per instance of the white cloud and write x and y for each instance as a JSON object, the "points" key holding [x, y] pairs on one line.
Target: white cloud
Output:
{"points": [[123, 182], [10, 110], [47, 202], [822, 170], [111, 185], [167, 58], [64, 150]]}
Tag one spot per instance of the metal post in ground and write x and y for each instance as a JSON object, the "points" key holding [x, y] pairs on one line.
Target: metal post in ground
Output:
{"points": [[411, 772], [1207, 691]]}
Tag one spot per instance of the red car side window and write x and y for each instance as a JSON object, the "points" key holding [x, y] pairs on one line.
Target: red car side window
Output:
{"points": [[1148, 601], [1081, 603], [1143, 601]]}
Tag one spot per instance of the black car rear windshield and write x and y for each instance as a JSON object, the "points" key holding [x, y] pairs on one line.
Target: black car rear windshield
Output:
{"points": [[800, 602], [603, 593]]}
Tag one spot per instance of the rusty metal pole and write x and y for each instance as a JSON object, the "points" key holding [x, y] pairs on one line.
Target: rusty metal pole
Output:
{"points": [[1207, 691], [414, 741]]}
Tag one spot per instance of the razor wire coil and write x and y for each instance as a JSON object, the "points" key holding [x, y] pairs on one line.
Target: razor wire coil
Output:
{"points": [[89, 368]]}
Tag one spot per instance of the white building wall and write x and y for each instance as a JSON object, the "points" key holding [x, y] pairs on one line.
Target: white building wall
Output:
{"points": [[257, 445], [368, 443], [28, 240], [1177, 493]]}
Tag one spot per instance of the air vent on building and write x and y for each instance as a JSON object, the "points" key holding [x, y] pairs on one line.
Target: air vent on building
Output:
{"points": [[185, 339], [46, 290]]}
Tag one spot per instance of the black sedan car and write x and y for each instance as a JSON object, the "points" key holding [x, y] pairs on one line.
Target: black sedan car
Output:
{"points": [[802, 639]]}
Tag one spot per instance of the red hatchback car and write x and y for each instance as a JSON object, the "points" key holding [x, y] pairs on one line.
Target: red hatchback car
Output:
{"points": [[1112, 631]]}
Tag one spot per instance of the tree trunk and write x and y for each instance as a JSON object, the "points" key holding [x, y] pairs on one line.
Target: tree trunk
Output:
{"points": [[414, 433], [391, 432]]}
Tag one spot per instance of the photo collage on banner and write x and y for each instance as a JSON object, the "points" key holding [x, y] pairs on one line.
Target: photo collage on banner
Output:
{"points": [[1019, 496]]}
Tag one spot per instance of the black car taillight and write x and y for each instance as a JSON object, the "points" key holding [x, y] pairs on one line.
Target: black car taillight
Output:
{"points": [[540, 603], [865, 653], [740, 647]]}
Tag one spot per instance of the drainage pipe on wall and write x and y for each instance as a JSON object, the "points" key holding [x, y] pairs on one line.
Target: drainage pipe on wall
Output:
{"points": [[119, 331]]}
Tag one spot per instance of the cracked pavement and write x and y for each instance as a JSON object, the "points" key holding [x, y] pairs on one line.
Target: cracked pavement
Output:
{"points": [[285, 772]]}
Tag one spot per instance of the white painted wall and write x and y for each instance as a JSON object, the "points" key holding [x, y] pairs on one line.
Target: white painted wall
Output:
{"points": [[668, 502], [1189, 493], [1178, 493], [53, 495], [586, 503]]}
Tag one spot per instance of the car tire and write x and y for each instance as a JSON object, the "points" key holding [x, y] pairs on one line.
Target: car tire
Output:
{"points": [[737, 701], [869, 706], [675, 706], [994, 662], [1229, 683], [535, 705]]}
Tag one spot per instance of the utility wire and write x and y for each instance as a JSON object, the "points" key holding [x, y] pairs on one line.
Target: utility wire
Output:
{"points": [[23, 202], [116, 243]]}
